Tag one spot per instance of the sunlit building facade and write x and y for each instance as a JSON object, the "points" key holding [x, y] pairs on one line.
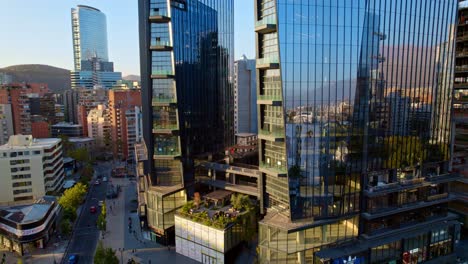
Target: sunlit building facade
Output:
{"points": [[186, 51], [350, 173]]}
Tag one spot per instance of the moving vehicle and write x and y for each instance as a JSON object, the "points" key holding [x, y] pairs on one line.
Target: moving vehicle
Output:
{"points": [[97, 182], [92, 209], [101, 203], [104, 179], [73, 259]]}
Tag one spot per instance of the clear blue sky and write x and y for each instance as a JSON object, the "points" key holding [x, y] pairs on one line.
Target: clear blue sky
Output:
{"points": [[39, 32]]}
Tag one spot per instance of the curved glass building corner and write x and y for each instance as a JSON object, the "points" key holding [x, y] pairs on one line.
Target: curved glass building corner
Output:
{"points": [[89, 29]]}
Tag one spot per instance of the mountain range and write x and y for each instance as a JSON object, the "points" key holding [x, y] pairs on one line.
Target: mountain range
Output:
{"points": [[58, 79]]}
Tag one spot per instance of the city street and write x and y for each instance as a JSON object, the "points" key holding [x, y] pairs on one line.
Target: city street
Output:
{"points": [[132, 245], [85, 235]]}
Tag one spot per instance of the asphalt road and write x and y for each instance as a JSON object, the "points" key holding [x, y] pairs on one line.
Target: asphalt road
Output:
{"points": [[86, 233]]}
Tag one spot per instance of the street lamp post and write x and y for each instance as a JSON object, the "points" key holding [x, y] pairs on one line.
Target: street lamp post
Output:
{"points": [[121, 254]]}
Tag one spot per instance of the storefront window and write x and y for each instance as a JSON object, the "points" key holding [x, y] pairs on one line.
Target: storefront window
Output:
{"points": [[441, 243], [415, 250], [386, 253]]}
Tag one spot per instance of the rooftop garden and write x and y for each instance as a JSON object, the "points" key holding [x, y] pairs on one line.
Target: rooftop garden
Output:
{"points": [[216, 215]]}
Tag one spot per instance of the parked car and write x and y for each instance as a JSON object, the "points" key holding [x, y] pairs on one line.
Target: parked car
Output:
{"points": [[92, 209], [104, 179], [73, 259], [97, 182], [101, 203]]}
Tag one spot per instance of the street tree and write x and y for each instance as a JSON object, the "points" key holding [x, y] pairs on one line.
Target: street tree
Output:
{"points": [[105, 255], [65, 226], [73, 197]]}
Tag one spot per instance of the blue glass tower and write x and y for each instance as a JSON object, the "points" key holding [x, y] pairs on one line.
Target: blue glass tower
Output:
{"points": [[92, 65], [89, 30], [354, 127]]}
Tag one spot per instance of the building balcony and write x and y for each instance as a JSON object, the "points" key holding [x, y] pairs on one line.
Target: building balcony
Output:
{"points": [[441, 178], [163, 101], [460, 85], [159, 16], [270, 62], [276, 170], [276, 135], [162, 74], [266, 25], [166, 154], [461, 69], [462, 38], [166, 129], [160, 45], [385, 188], [274, 100], [428, 201], [461, 54], [462, 99]]}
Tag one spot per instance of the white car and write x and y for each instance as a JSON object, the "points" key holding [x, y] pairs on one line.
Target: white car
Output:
{"points": [[104, 179], [101, 203]]}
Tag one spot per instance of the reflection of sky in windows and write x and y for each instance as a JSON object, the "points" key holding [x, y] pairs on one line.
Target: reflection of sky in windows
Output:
{"points": [[321, 41], [355, 70]]}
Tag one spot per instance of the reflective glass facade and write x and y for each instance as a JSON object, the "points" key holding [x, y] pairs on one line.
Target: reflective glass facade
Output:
{"points": [[89, 29], [354, 103], [186, 51]]}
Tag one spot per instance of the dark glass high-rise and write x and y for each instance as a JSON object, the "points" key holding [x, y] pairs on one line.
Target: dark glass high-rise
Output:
{"points": [[354, 102], [186, 51]]}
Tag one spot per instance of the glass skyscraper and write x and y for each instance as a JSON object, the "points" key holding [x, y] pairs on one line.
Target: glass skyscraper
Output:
{"points": [[92, 65], [354, 103], [89, 29], [186, 51]]}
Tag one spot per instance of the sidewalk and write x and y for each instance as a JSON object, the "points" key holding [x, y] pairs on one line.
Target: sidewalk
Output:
{"points": [[133, 244], [53, 251]]}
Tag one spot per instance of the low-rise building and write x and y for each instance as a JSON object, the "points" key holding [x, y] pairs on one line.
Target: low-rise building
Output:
{"points": [[208, 233], [31, 224], [82, 142], [66, 129], [30, 168]]}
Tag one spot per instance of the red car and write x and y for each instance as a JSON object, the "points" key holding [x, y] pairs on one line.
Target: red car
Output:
{"points": [[92, 209]]}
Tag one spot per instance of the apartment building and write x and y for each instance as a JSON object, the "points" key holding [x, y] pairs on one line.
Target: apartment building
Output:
{"points": [[30, 168]]}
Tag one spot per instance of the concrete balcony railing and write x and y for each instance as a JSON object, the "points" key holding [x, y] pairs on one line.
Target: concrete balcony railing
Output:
{"points": [[163, 100], [266, 24], [159, 15], [278, 170], [269, 62], [436, 197], [160, 45], [161, 73]]}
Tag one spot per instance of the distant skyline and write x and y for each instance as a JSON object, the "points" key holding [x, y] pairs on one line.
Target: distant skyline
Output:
{"points": [[41, 33]]}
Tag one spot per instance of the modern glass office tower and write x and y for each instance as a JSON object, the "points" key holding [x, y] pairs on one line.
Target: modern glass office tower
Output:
{"points": [[354, 102], [89, 29], [186, 51], [92, 65]]}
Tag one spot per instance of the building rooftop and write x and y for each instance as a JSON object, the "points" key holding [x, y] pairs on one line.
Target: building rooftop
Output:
{"points": [[27, 141], [65, 124], [245, 134], [80, 139], [28, 213]]}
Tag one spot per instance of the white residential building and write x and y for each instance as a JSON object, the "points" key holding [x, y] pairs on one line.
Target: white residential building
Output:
{"points": [[245, 96], [30, 168], [99, 125]]}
